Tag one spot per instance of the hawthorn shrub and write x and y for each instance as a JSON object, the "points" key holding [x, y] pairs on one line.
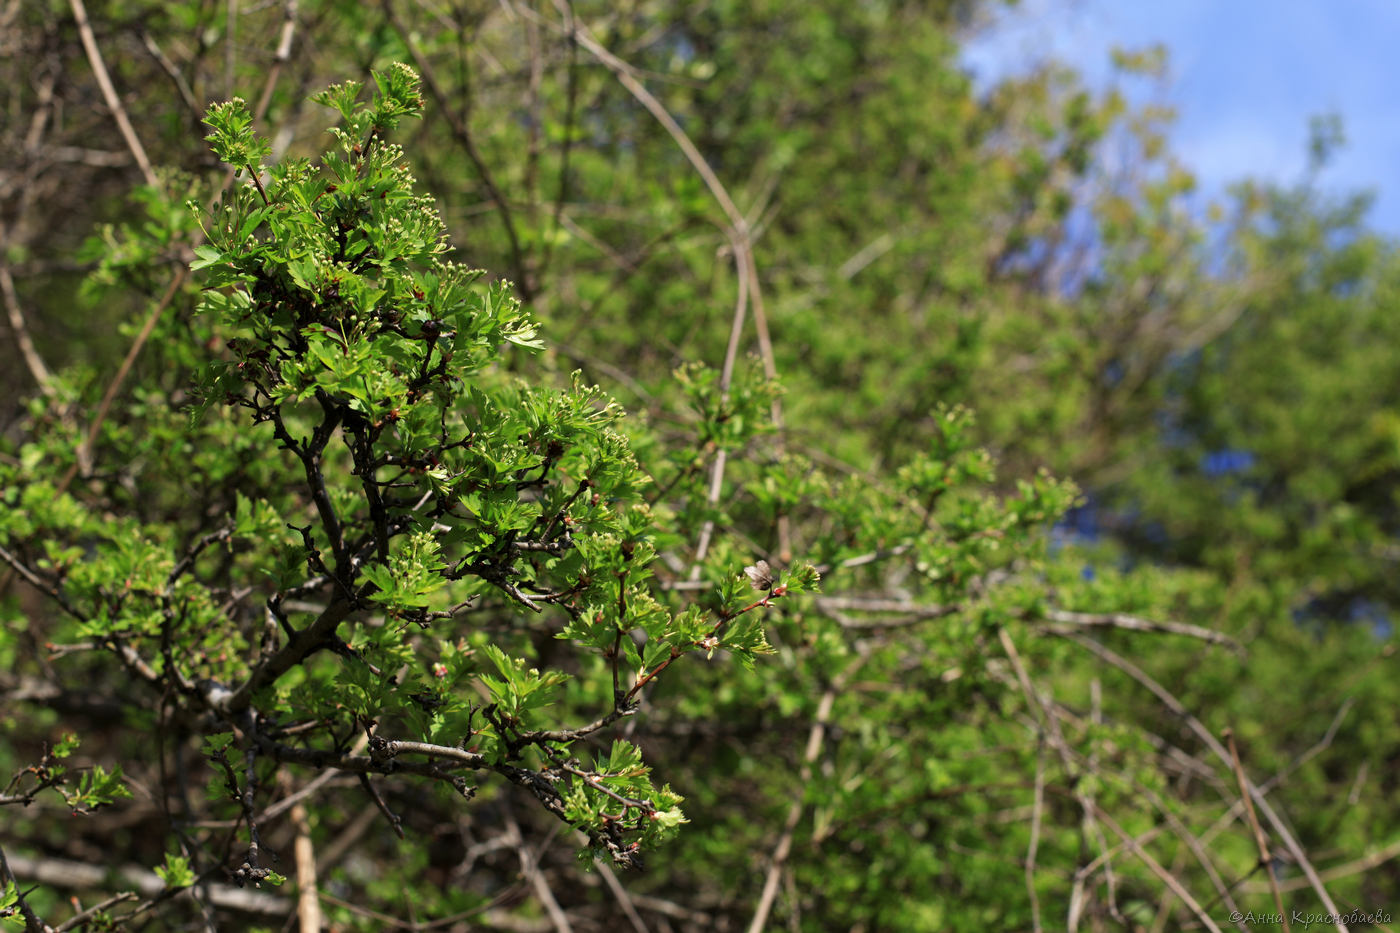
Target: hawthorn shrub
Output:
{"points": [[355, 543], [351, 584]]}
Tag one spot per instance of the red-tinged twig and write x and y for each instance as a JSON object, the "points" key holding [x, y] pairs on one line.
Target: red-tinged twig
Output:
{"points": [[1266, 858], [710, 642]]}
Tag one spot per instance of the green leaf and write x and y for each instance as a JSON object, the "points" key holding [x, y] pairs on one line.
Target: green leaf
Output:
{"points": [[207, 256], [176, 872]]}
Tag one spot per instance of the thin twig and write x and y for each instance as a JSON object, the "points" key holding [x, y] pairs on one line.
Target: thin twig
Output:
{"points": [[565, 8], [1134, 623], [1356, 866], [1313, 750], [770, 371], [815, 736], [1170, 700], [1166, 877], [395, 821], [1049, 726], [39, 583], [464, 137], [784, 847], [1266, 858], [280, 57], [741, 242], [85, 452], [530, 868], [726, 376], [624, 900], [109, 93], [77, 920], [181, 85], [1195, 845], [32, 360], [1033, 846]]}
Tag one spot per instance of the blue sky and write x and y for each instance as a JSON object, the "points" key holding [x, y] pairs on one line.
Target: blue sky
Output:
{"points": [[1245, 77]]}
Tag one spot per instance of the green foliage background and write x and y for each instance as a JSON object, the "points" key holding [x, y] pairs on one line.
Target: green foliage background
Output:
{"points": [[1004, 706]]}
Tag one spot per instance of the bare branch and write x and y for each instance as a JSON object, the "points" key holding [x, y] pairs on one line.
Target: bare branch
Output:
{"points": [[63, 873], [1367, 862], [109, 93], [741, 238], [726, 376], [1169, 700], [1155, 866], [85, 451], [78, 920], [181, 85], [279, 58], [1049, 727], [1037, 811], [468, 143], [308, 905], [624, 900], [32, 360], [815, 736], [1266, 858], [529, 867], [1134, 623]]}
